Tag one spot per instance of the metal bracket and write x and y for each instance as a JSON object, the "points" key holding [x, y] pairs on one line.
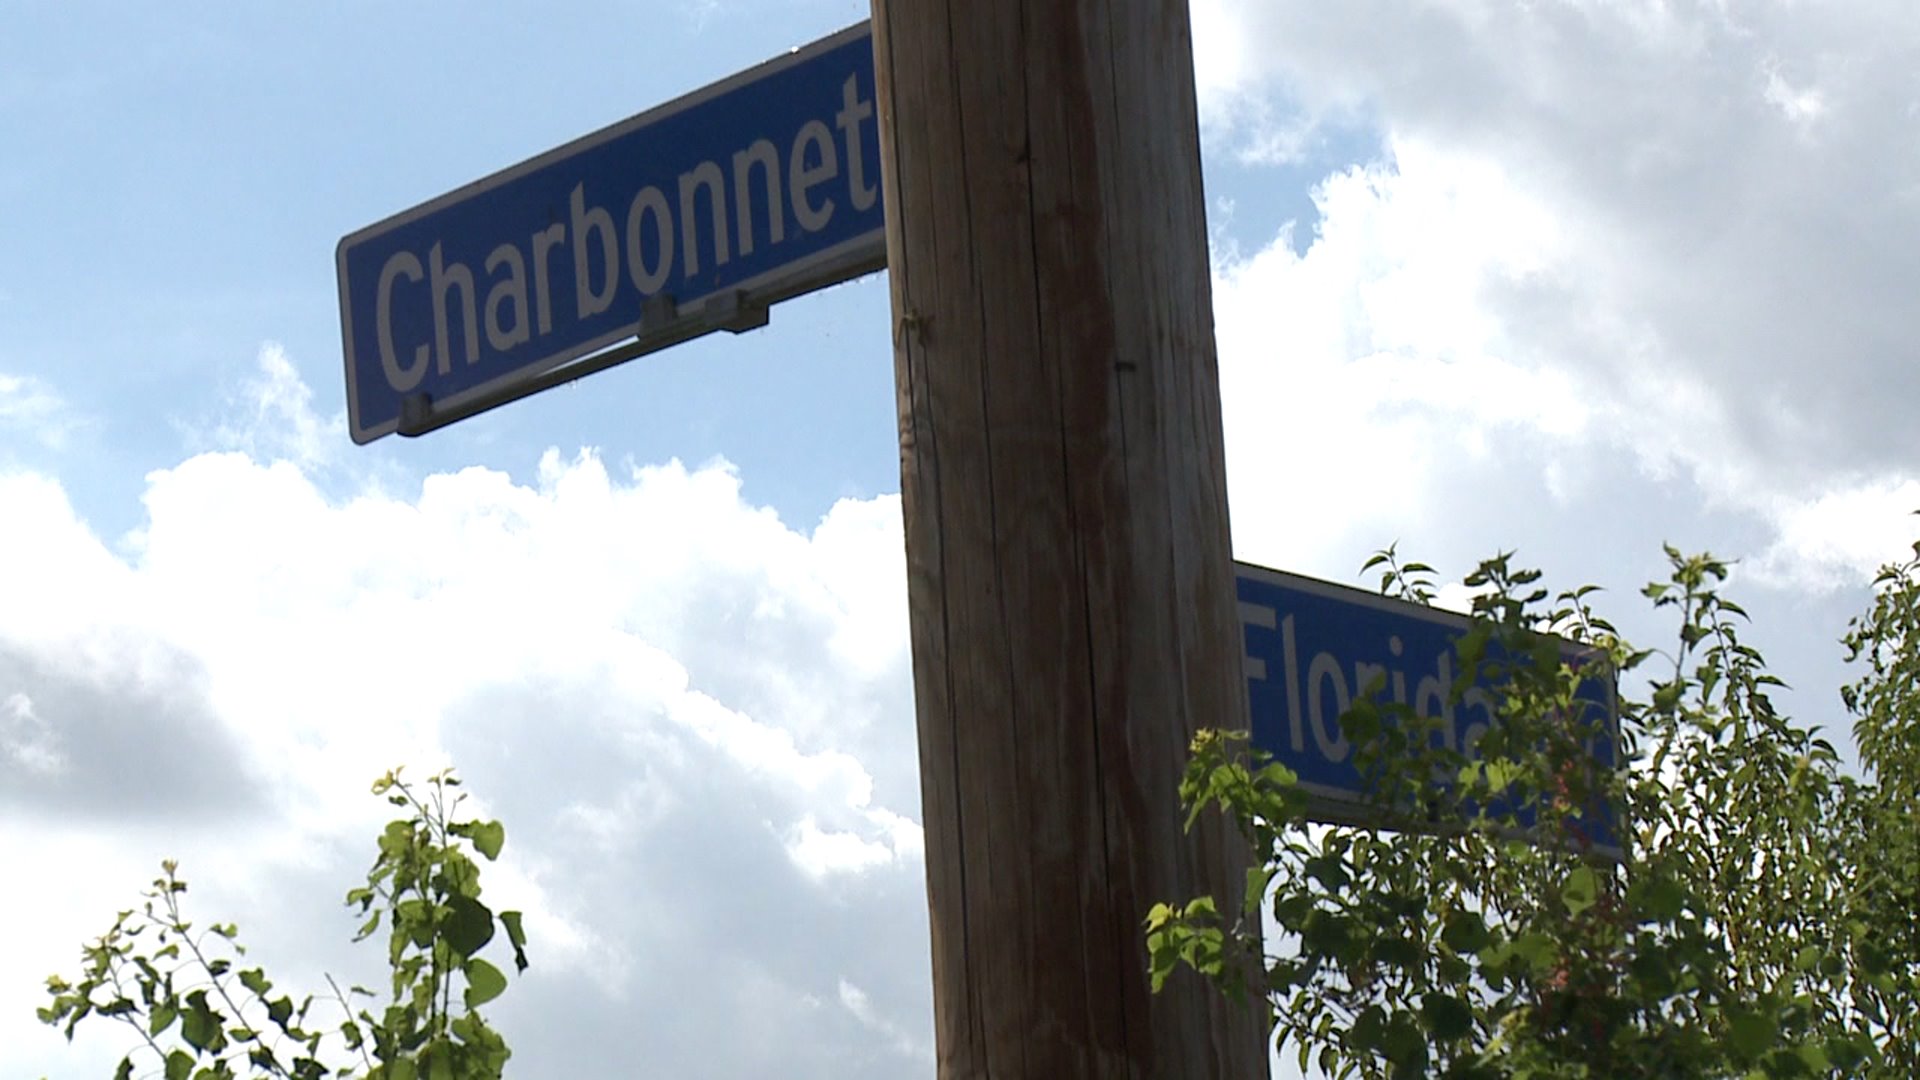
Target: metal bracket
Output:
{"points": [[733, 311], [657, 313], [416, 415], [662, 323]]}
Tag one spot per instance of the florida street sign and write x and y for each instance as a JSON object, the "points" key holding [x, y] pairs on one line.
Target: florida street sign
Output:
{"points": [[1312, 647], [688, 218]]}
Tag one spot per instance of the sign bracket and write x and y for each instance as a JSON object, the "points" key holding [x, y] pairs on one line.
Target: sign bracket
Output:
{"points": [[663, 324]]}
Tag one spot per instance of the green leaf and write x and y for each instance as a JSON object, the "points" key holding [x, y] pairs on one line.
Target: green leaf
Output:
{"points": [[1369, 1030], [1751, 1033], [488, 837], [396, 838], [484, 982], [1465, 932], [413, 918], [517, 937], [125, 1071], [179, 1065], [1581, 890], [1446, 1016], [1361, 724], [1396, 952], [200, 1027], [163, 1016], [1815, 1059], [1536, 948], [1404, 1045], [1501, 774], [1326, 869], [1662, 898], [468, 925]]}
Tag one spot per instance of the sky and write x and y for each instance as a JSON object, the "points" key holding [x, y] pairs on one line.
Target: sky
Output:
{"points": [[1574, 278]]}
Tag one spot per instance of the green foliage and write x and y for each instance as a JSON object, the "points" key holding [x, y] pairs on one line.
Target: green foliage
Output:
{"points": [[1884, 851], [1762, 922], [201, 1015]]}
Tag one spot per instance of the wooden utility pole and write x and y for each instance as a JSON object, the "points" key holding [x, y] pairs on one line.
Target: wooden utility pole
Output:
{"points": [[1068, 562]]}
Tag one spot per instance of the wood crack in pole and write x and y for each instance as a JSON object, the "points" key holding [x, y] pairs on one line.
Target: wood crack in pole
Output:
{"points": [[1069, 575]]}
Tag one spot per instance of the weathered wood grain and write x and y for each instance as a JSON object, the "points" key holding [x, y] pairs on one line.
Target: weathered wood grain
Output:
{"points": [[1068, 564]]}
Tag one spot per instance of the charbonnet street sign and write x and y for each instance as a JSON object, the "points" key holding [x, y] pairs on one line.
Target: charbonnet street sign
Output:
{"points": [[688, 218], [1312, 647]]}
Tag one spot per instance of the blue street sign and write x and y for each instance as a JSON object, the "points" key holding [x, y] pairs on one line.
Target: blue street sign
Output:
{"points": [[690, 217], [1311, 647]]}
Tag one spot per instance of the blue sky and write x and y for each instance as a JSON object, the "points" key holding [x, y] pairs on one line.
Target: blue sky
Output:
{"points": [[1575, 279]]}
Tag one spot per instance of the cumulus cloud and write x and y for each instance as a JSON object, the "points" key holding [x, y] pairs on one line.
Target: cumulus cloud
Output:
{"points": [[269, 416], [31, 408], [856, 1001], [1360, 376], [1672, 239], [1827, 540], [26, 738], [695, 720]]}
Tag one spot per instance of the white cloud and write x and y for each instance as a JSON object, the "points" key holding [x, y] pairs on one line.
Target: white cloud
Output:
{"points": [[1355, 374], [670, 697], [819, 853], [1609, 247], [855, 1001], [31, 407], [26, 737], [269, 416], [1842, 535], [1802, 106]]}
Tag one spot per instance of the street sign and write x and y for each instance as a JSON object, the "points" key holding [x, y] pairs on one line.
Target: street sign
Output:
{"points": [[1312, 646], [688, 218]]}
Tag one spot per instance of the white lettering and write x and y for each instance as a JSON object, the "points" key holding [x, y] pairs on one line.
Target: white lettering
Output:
{"points": [[512, 290], [402, 379], [801, 175], [648, 278], [445, 279], [545, 241], [1296, 719], [1326, 669], [1399, 677], [1254, 615], [510, 297], [588, 301], [764, 154], [848, 119], [704, 175]]}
